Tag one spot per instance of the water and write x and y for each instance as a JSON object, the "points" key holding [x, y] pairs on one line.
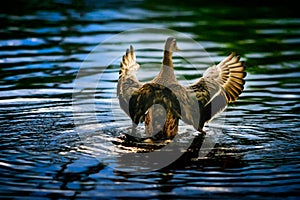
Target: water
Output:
{"points": [[42, 48]]}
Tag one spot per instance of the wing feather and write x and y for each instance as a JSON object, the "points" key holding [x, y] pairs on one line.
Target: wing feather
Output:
{"points": [[128, 82], [221, 84]]}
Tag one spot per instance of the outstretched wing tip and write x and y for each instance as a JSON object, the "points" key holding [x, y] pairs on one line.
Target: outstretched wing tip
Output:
{"points": [[233, 53], [128, 81], [234, 83], [129, 59], [229, 74]]}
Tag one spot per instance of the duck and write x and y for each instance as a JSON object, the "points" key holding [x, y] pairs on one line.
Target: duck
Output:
{"points": [[162, 102]]}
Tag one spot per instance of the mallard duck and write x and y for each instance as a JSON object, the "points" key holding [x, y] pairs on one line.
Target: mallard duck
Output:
{"points": [[195, 104]]}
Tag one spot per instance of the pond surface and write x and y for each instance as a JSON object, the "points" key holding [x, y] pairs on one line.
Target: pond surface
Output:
{"points": [[43, 46]]}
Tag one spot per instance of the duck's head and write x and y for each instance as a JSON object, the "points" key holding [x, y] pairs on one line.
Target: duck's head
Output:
{"points": [[171, 45]]}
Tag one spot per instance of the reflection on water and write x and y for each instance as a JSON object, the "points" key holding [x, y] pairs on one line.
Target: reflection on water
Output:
{"points": [[42, 47]]}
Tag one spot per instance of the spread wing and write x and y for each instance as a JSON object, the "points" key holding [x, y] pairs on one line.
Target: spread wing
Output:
{"points": [[221, 84], [127, 82]]}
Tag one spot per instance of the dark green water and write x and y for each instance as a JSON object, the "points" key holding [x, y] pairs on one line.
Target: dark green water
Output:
{"points": [[42, 46]]}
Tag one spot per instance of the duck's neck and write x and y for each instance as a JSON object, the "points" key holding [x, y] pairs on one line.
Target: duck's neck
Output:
{"points": [[167, 60]]}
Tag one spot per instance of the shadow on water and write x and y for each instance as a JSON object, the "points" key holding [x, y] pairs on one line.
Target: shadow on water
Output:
{"points": [[198, 155], [218, 158]]}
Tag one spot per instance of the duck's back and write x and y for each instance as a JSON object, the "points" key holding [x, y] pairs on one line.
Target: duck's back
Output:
{"points": [[166, 77]]}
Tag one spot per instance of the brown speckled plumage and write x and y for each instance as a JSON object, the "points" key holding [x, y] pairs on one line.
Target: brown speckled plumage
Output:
{"points": [[221, 84]]}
